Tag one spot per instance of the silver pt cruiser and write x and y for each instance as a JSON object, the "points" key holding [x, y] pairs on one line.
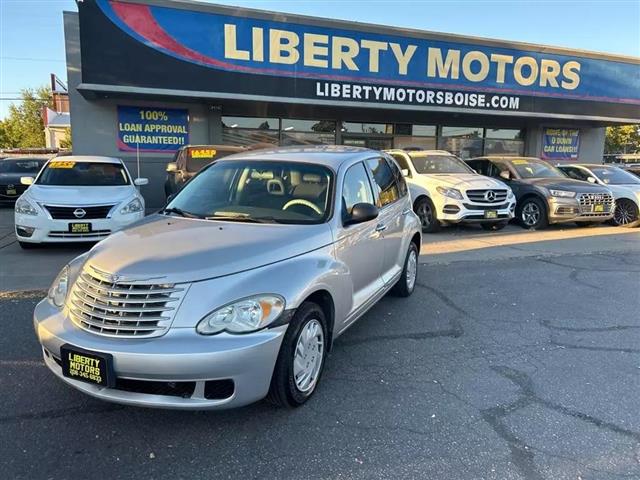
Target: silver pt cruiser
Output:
{"points": [[238, 288]]}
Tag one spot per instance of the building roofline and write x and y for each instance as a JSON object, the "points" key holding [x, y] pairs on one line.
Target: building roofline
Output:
{"points": [[196, 5]]}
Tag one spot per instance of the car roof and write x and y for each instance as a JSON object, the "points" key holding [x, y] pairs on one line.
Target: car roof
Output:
{"points": [[87, 158], [422, 153], [587, 165], [327, 155], [502, 158]]}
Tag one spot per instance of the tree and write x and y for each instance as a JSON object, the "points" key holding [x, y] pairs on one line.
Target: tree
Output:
{"points": [[622, 139], [24, 127], [66, 141]]}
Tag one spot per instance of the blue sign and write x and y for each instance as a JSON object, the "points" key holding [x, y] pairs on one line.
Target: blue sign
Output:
{"points": [[560, 143], [307, 49], [152, 129]]}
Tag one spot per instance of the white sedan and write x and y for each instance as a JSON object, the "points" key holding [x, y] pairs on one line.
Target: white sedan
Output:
{"points": [[77, 199], [624, 186]]}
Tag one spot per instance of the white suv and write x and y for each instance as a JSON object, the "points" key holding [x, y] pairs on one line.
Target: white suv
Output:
{"points": [[445, 190]]}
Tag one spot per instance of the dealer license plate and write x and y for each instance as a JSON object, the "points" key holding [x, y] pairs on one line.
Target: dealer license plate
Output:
{"points": [[490, 214], [87, 366], [598, 208], [80, 227], [11, 191]]}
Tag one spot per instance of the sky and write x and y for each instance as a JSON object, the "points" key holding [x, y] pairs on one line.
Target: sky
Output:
{"points": [[32, 39]]}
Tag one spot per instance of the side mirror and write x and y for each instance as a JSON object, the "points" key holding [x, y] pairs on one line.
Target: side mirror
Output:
{"points": [[27, 180], [141, 181], [405, 172], [505, 175], [591, 180], [361, 212], [172, 167]]}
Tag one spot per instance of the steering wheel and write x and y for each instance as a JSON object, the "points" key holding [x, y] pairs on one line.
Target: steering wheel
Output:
{"points": [[302, 201]]}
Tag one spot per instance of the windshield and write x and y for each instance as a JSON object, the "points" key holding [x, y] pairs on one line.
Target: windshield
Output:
{"points": [[200, 157], [83, 174], [260, 191], [435, 164], [533, 168], [615, 176], [23, 166]]}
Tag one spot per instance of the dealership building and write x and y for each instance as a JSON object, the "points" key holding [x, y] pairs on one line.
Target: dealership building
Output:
{"points": [[146, 77]]}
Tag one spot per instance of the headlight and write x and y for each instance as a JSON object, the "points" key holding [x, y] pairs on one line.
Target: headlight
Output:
{"points": [[58, 291], [243, 316], [510, 195], [562, 193], [133, 206], [23, 206], [450, 192]]}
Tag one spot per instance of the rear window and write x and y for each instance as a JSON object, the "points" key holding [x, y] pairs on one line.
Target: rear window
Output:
{"points": [[83, 174], [200, 157]]}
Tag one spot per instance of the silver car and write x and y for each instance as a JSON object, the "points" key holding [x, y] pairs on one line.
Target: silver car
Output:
{"points": [[238, 288]]}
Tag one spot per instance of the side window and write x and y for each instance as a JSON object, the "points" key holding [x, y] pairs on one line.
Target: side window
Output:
{"points": [[575, 173], [181, 159], [495, 169], [385, 179], [402, 185], [355, 188]]}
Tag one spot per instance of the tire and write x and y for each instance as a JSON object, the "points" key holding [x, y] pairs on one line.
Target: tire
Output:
{"points": [[427, 212], [284, 390], [407, 282], [493, 226], [532, 213], [625, 214], [27, 246]]}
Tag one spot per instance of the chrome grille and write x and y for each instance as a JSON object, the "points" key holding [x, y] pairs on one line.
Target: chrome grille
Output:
{"points": [[589, 200], [483, 196], [122, 308]]}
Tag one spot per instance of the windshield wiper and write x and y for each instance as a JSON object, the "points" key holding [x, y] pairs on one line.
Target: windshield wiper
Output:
{"points": [[180, 212], [235, 218]]}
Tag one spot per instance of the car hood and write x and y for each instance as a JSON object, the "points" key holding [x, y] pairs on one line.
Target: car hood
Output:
{"points": [[566, 184], [80, 195], [624, 191], [463, 181], [10, 178], [179, 250]]}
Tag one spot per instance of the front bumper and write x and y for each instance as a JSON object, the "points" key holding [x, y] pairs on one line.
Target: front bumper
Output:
{"points": [[465, 211], [181, 355], [46, 229], [562, 210]]}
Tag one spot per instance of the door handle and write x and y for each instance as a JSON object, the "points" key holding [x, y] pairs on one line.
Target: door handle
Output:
{"points": [[381, 227], [407, 211]]}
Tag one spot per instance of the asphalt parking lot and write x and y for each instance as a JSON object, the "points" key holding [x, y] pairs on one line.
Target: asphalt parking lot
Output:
{"points": [[516, 358]]}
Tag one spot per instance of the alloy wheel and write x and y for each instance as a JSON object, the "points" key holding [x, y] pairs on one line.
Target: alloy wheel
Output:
{"points": [[412, 269], [530, 214], [307, 359], [624, 214], [425, 213]]}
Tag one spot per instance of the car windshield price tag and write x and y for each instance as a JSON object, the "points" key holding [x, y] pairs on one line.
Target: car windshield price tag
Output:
{"points": [[62, 164]]}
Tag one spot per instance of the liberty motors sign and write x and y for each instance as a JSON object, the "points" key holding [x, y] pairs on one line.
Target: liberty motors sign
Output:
{"points": [[233, 53]]}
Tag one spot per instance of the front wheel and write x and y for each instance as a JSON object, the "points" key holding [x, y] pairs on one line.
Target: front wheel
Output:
{"points": [[407, 282], [426, 211], [493, 226], [532, 213], [625, 214], [301, 358]]}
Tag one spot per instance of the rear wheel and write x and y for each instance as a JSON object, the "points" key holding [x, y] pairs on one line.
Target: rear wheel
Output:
{"points": [[493, 226], [407, 282], [301, 358], [426, 211], [532, 213], [625, 214]]}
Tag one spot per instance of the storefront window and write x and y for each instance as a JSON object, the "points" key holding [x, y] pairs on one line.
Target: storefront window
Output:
{"points": [[375, 128], [504, 141], [414, 143], [250, 131], [465, 142], [308, 132]]}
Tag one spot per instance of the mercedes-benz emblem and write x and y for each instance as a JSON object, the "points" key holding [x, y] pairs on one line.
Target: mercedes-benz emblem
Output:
{"points": [[490, 196], [79, 213]]}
